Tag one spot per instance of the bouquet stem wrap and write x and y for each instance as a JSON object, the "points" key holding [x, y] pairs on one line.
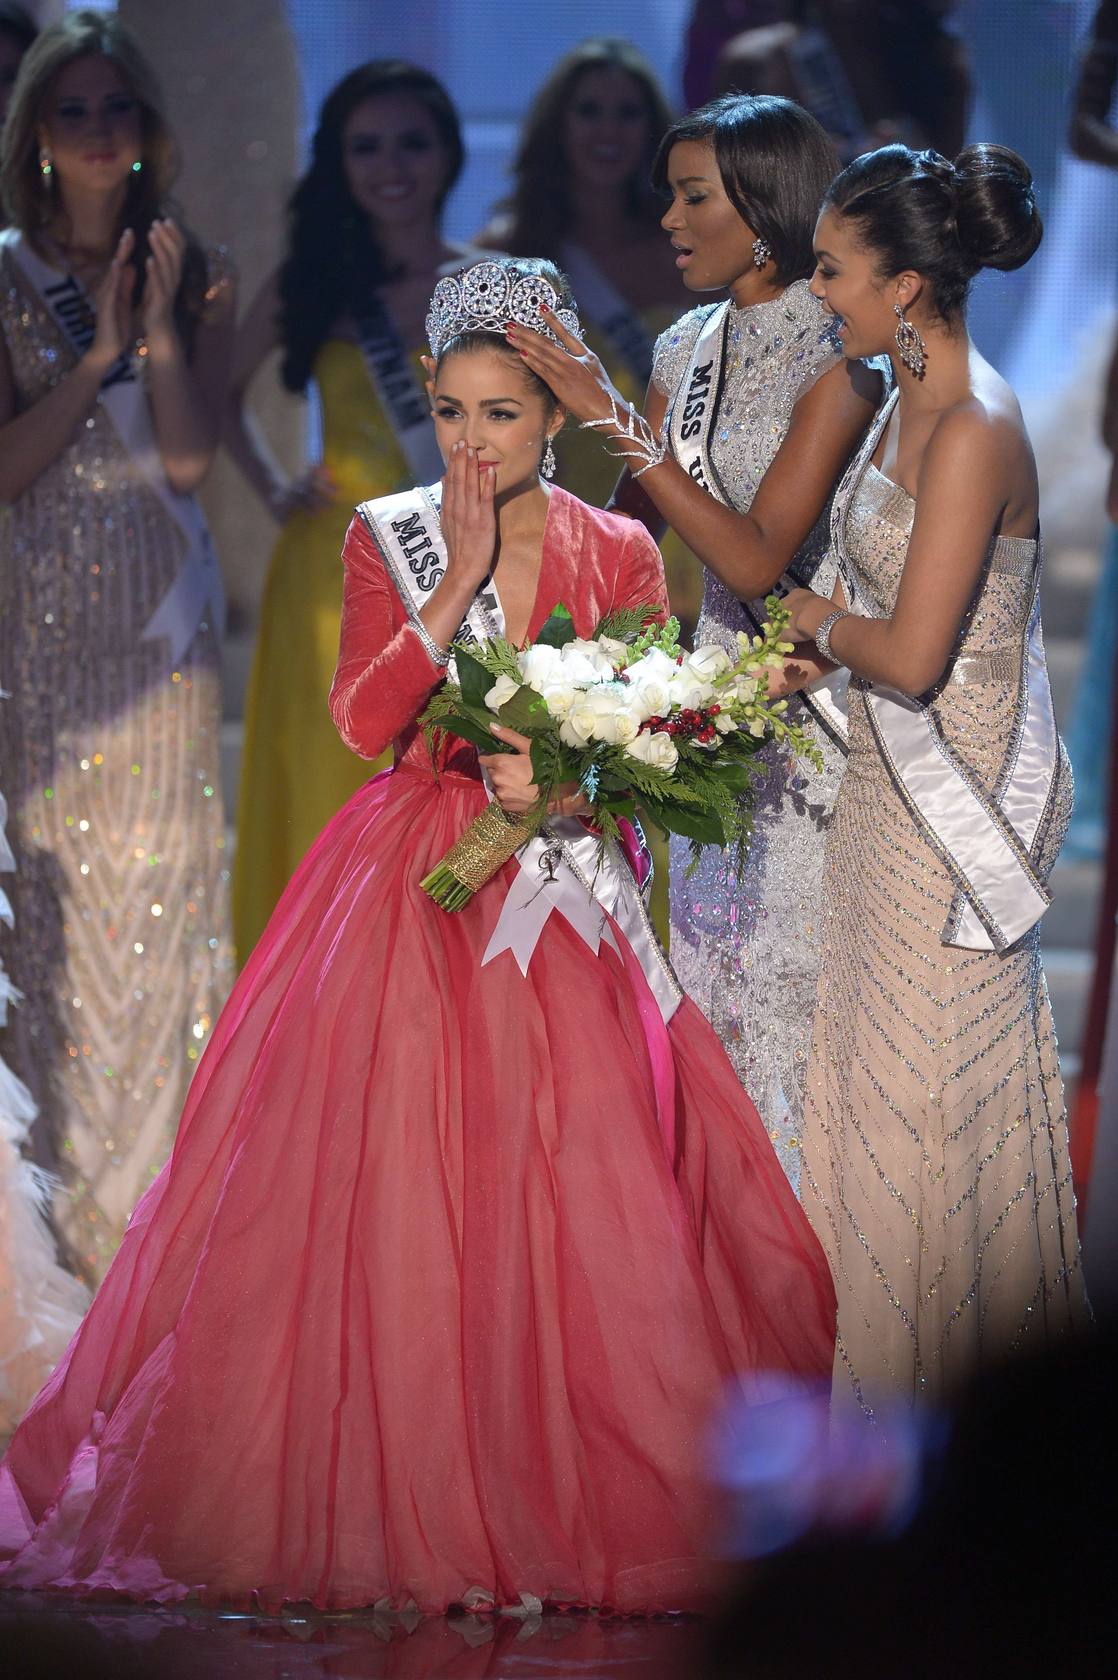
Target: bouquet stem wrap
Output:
{"points": [[475, 857]]}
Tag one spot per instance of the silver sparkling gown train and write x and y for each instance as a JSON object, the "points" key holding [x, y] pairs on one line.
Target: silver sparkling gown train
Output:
{"points": [[747, 949], [935, 1169], [111, 769]]}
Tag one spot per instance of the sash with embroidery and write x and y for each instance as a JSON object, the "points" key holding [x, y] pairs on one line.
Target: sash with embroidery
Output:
{"points": [[691, 420], [404, 404], [990, 840], [560, 869], [196, 589], [599, 301]]}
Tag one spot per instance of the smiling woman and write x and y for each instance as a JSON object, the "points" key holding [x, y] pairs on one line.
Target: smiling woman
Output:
{"points": [[345, 309], [115, 331]]}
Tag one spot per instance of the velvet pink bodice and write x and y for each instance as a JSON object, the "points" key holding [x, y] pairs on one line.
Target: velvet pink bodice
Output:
{"points": [[594, 562]]}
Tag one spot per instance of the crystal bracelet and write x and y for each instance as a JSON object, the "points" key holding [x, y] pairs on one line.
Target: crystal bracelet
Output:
{"points": [[823, 635], [634, 436]]}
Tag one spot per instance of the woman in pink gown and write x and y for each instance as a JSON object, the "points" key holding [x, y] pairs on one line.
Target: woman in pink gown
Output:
{"points": [[451, 1262]]}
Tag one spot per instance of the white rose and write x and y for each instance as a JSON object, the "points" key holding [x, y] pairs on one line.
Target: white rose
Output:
{"points": [[708, 661], [626, 725], [657, 749], [616, 652], [503, 689], [654, 663], [605, 704], [539, 665], [582, 647], [578, 725], [559, 697], [686, 691], [649, 697]]}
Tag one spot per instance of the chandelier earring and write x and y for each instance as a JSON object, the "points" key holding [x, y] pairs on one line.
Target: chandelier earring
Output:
{"points": [[910, 345], [761, 253], [549, 463], [46, 165]]}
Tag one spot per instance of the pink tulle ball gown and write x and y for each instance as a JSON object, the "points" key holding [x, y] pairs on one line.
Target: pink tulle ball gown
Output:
{"points": [[451, 1264]]}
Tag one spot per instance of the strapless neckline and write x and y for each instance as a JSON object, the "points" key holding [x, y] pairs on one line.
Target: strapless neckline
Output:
{"points": [[897, 507]]}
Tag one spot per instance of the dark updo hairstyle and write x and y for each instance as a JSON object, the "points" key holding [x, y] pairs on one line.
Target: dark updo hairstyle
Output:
{"points": [[776, 162], [944, 220], [334, 261], [536, 216], [467, 343]]}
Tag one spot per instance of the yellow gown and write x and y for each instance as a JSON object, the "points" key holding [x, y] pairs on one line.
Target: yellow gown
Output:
{"points": [[295, 772], [588, 469]]}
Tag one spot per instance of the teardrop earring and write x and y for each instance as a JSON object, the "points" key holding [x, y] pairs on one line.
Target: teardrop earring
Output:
{"points": [[137, 166], [46, 166], [910, 345], [549, 463]]}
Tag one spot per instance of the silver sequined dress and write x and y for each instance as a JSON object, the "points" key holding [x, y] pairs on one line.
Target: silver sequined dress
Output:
{"points": [[747, 949], [935, 1163], [110, 764]]}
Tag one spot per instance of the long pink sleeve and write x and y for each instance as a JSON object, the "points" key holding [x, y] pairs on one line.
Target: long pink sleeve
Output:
{"points": [[385, 674]]}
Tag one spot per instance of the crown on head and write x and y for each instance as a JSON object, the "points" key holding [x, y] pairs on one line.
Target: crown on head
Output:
{"points": [[486, 297]]}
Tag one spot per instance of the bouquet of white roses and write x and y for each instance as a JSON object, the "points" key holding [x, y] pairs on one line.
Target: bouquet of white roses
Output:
{"points": [[642, 726]]}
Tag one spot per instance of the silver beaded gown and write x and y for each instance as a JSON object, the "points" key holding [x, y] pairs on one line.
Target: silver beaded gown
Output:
{"points": [[935, 1164], [747, 948], [110, 762]]}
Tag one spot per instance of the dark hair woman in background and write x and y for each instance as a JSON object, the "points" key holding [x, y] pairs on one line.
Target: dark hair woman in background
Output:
{"points": [[936, 1166], [115, 336], [582, 197], [762, 417], [346, 311]]}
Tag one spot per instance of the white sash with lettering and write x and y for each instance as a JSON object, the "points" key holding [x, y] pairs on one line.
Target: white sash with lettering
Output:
{"points": [[196, 588], [560, 869], [599, 301], [990, 842], [393, 379], [692, 417]]}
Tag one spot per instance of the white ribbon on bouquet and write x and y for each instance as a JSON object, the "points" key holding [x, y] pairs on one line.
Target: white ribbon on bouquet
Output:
{"points": [[562, 869]]}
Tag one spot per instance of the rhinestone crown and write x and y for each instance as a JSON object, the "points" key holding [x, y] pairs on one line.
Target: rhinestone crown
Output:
{"points": [[486, 297]]}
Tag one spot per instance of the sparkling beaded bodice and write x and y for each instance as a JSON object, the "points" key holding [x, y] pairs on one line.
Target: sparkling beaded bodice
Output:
{"points": [[746, 948], [974, 702], [775, 352]]}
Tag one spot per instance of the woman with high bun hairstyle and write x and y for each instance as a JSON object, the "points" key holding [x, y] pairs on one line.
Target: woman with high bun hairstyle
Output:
{"points": [[936, 1166], [469, 1228], [115, 331]]}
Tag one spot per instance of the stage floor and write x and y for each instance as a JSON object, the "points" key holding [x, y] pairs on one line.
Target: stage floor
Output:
{"points": [[48, 1639]]}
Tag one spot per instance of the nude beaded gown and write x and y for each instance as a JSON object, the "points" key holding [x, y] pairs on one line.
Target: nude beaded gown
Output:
{"points": [[936, 1169]]}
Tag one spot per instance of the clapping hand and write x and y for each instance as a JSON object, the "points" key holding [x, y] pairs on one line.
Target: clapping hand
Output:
{"points": [[113, 304], [162, 275]]}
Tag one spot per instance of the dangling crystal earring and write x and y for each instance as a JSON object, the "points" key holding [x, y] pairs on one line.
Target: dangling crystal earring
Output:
{"points": [[46, 167], [761, 253], [910, 345], [548, 465]]}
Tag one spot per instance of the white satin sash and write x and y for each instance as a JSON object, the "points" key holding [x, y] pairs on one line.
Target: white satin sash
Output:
{"points": [[197, 588], [599, 301], [392, 378], [563, 868], [692, 416], [989, 841]]}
